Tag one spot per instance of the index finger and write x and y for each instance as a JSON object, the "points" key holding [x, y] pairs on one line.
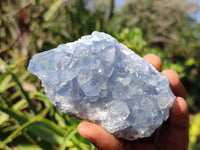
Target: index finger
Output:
{"points": [[154, 60], [174, 81]]}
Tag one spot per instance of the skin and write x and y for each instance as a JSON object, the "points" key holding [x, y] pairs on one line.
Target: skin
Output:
{"points": [[173, 134]]}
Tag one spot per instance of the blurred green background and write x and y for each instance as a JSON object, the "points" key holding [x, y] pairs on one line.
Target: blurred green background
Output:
{"points": [[28, 120]]}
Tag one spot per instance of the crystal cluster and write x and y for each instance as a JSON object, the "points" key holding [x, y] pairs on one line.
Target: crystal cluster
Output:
{"points": [[99, 79]]}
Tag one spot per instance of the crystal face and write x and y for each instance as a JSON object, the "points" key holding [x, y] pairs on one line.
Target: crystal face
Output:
{"points": [[99, 79]]}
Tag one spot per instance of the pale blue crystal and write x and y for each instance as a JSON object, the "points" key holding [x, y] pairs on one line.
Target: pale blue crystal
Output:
{"points": [[99, 79]]}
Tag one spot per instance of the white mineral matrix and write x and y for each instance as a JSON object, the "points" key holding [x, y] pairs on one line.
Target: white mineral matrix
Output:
{"points": [[99, 79]]}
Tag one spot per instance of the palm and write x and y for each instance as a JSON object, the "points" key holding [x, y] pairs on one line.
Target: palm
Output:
{"points": [[172, 135]]}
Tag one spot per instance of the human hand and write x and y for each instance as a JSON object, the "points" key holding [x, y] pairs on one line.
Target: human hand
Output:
{"points": [[173, 135]]}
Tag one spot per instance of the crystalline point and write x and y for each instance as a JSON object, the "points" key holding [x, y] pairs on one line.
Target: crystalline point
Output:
{"points": [[99, 79]]}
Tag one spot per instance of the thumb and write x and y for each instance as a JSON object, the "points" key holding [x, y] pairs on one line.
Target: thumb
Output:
{"points": [[99, 136]]}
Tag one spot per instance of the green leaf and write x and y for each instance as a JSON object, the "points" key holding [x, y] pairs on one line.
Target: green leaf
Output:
{"points": [[28, 147], [194, 129], [52, 126], [40, 130], [70, 132], [46, 134], [190, 62], [30, 103], [20, 104], [4, 84], [14, 114], [41, 97], [4, 117], [52, 10], [60, 120]]}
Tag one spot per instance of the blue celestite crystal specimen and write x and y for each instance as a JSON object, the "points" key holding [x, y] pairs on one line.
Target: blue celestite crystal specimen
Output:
{"points": [[99, 79]]}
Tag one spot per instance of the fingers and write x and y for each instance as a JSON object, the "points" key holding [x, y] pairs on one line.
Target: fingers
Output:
{"points": [[173, 77], [179, 124], [175, 83], [174, 135], [179, 116], [105, 141], [99, 137], [154, 60]]}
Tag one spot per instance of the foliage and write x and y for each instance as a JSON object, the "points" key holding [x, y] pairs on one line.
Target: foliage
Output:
{"points": [[157, 19], [32, 26], [194, 133], [168, 28], [28, 119], [134, 39]]}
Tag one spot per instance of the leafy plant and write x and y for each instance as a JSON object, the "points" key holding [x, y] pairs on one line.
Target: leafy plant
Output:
{"points": [[169, 29], [28, 119], [194, 133], [27, 114]]}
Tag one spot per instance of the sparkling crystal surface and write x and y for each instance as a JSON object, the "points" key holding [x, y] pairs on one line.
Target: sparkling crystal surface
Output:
{"points": [[99, 79]]}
